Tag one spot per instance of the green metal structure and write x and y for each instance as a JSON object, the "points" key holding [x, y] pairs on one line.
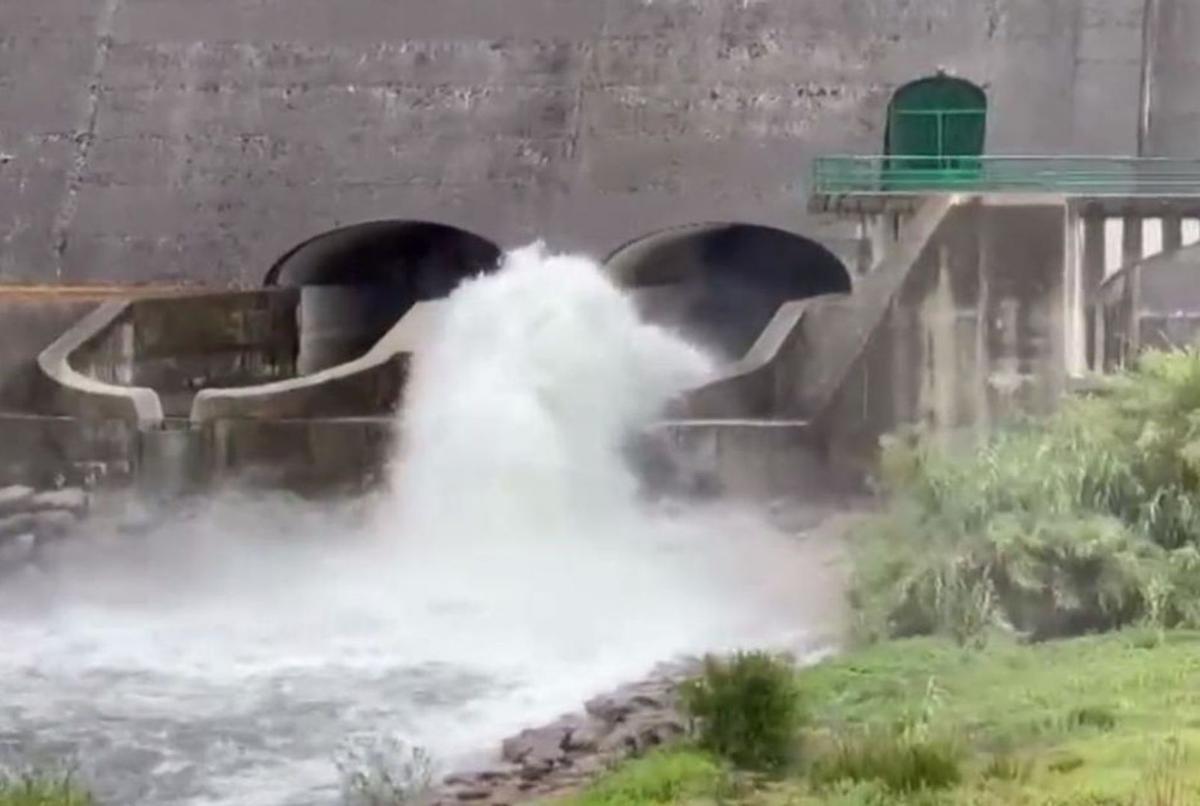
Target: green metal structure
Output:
{"points": [[940, 118], [907, 175]]}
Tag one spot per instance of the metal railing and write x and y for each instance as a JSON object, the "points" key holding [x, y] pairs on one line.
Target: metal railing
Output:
{"points": [[1074, 176]]}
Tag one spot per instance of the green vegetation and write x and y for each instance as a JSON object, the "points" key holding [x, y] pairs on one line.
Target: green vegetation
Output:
{"points": [[747, 710], [1083, 528], [1087, 521], [384, 772], [664, 777], [38, 789], [1110, 720]]}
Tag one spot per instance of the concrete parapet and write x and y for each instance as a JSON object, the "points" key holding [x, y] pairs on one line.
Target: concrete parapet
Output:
{"points": [[753, 385], [369, 385], [746, 459], [86, 397]]}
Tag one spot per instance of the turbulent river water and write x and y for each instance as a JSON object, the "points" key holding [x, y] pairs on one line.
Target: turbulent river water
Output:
{"points": [[227, 650]]}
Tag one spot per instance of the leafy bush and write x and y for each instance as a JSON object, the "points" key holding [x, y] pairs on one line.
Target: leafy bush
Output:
{"points": [[746, 709], [39, 789], [1088, 520], [385, 772]]}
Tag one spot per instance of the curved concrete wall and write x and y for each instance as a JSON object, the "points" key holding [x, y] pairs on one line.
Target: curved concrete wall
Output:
{"points": [[197, 141]]}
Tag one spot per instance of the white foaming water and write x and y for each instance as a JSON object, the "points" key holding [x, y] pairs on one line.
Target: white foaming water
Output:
{"points": [[510, 573]]}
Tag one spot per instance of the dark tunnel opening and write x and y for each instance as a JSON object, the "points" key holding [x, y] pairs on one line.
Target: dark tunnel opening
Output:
{"points": [[357, 281], [720, 284]]}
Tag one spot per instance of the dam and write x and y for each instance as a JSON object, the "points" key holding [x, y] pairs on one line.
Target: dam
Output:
{"points": [[268, 268], [255, 170]]}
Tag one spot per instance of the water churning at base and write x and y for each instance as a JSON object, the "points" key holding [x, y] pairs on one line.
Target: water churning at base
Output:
{"points": [[508, 573]]}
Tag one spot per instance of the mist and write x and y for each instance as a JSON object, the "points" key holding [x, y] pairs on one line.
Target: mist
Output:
{"points": [[220, 650]]}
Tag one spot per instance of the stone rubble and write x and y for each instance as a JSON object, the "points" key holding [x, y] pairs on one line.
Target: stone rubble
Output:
{"points": [[30, 520], [565, 755]]}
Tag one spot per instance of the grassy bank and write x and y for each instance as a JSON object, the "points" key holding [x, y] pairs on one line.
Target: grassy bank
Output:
{"points": [[1025, 616], [1086, 521], [1110, 720]]}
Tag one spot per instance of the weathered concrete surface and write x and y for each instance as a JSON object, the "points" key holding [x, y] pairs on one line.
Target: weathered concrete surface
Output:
{"points": [[82, 394], [145, 359], [30, 320], [976, 334], [42, 451], [368, 385], [196, 142], [313, 456], [1172, 95], [1153, 304]]}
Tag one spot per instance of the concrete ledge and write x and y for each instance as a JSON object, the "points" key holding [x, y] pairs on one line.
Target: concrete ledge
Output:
{"points": [[837, 330], [75, 394], [746, 458], [41, 451], [369, 385], [748, 387], [316, 456]]}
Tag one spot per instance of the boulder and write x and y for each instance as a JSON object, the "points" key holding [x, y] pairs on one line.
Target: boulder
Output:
{"points": [[14, 499], [491, 775], [71, 499], [54, 524], [471, 795], [18, 550], [18, 524], [641, 733], [537, 746], [583, 738], [616, 707]]}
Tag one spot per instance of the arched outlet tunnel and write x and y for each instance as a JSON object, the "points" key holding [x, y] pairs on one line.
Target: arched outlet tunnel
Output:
{"points": [[357, 281], [720, 283]]}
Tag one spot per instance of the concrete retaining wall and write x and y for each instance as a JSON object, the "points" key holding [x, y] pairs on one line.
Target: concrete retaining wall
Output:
{"points": [[195, 142], [30, 320], [977, 334], [45, 451], [179, 345]]}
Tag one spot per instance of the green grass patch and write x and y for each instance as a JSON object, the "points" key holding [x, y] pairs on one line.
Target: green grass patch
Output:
{"points": [[925, 722], [38, 789], [673, 776]]}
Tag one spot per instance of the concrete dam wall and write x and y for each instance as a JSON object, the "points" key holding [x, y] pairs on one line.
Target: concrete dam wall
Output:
{"points": [[178, 142]]}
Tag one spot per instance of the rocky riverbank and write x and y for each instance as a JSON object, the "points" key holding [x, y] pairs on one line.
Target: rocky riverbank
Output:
{"points": [[566, 754], [33, 520]]}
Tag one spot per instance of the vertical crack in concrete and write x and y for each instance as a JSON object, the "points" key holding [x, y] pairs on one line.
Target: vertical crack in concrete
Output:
{"points": [[589, 80], [84, 135], [1150, 21]]}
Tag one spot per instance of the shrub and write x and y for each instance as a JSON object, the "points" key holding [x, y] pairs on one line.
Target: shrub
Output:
{"points": [[746, 709], [1087, 520], [1005, 767], [1092, 716], [42, 789], [385, 772]]}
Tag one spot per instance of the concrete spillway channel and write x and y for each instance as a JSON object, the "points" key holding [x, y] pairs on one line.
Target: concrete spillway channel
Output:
{"points": [[299, 385]]}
